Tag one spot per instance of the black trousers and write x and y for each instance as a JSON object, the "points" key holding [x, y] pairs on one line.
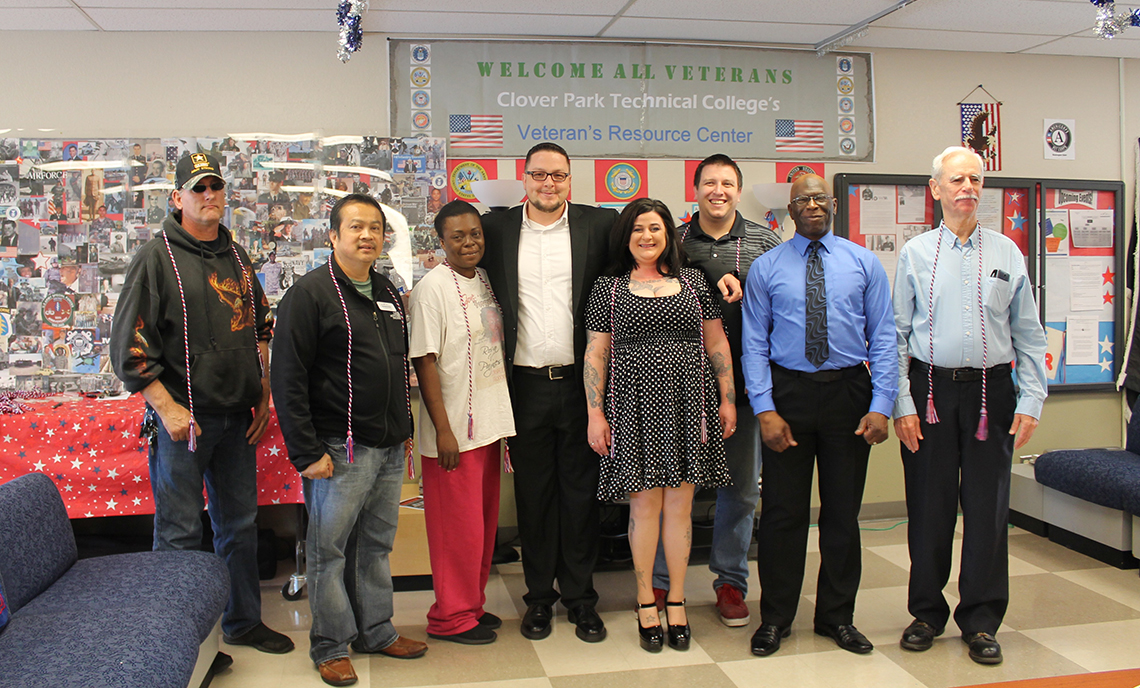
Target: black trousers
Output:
{"points": [[556, 485], [823, 417], [950, 467]]}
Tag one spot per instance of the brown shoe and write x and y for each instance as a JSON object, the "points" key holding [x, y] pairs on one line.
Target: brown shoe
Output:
{"points": [[337, 672], [405, 648]]}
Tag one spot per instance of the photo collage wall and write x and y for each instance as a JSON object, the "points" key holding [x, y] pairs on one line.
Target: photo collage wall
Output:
{"points": [[73, 213]]}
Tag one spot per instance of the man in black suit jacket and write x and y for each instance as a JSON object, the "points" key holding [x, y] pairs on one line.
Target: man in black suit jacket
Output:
{"points": [[542, 258]]}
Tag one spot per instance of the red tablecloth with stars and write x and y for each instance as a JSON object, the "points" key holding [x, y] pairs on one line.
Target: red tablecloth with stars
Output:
{"points": [[92, 450]]}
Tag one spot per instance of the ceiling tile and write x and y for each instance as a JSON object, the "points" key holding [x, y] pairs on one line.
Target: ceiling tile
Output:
{"points": [[1046, 17], [923, 39], [213, 20], [721, 30], [44, 19], [845, 12], [1090, 46], [475, 24]]}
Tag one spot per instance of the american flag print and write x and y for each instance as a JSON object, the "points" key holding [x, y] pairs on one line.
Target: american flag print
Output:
{"points": [[799, 135], [475, 131], [981, 131]]}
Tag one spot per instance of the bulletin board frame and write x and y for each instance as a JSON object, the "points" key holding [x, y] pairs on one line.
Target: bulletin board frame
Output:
{"points": [[1018, 215]]}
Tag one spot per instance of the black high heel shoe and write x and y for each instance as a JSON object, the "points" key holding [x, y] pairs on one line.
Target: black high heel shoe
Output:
{"points": [[679, 634], [652, 638]]}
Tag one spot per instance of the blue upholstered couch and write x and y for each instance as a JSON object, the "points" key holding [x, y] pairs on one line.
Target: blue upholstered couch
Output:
{"points": [[122, 620]]}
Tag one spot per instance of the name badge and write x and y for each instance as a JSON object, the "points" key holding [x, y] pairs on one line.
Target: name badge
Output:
{"points": [[386, 306]]}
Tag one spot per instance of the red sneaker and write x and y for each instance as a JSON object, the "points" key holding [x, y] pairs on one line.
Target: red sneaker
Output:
{"points": [[659, 597], [730, 604]]}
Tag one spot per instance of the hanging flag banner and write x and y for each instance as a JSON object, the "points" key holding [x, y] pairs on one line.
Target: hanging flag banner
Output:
{"points": [[634, 100], [620, 181], [460, 174], [981, 131]]}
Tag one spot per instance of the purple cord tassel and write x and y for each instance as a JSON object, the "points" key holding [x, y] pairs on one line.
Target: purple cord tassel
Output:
{"points": [[470, 426], [192, 441], [348, 446], [507, 466], [931, 414], [704, 428], [983, 432]]}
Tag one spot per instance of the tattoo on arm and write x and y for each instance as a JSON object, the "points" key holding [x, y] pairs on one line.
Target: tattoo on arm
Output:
{"points": [[594, 375]]}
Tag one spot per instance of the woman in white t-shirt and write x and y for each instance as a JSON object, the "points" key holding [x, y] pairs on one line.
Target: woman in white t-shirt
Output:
{"points": [[457, 349]]}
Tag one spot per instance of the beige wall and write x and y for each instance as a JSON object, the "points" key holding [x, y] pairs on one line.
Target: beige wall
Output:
{"points": [[143, 85]]}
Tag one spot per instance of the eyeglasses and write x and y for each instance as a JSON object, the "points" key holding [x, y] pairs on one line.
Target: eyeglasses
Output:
{"points": [[201, 188], [556, 177], [820, 200]]}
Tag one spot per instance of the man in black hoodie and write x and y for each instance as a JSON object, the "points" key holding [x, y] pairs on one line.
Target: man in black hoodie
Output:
{"points": [[191, 334], [340, 375]]}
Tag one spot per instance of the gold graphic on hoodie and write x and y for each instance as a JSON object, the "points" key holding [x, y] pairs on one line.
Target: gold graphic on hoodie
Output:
{"points": [[230, 292]]}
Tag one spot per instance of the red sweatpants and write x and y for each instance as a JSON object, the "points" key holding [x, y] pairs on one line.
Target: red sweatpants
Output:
{"points": [[461, 510]]}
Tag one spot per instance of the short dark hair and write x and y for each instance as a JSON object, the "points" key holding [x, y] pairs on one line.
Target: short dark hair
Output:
{"points": [[545, 146], [452, 209], [671, 260], [717, 159], [334, 215]]}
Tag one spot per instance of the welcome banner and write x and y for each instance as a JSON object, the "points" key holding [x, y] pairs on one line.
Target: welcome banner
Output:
{"points": [[608, 99]]}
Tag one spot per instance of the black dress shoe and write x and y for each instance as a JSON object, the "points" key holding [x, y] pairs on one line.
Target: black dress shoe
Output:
{"points": [[536, 621], [984, 648], [766, 639], [919, 636], [653, 638], [679, 634], [846, 636], [591, 628]]}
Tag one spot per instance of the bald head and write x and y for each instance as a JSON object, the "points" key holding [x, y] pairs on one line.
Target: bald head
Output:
{"points": [[811, 206]]}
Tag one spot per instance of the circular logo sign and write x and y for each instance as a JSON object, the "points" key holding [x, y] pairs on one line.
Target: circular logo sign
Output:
{"points": [[12, 212], [421, 99], [846, 125], [461, 177], [845, 85], [797, 172], [623, 181], [421, 54], [1059, 137], [439, 181], [844, 65], [57, 310], [421, 76], [847, 146], [846, 105], [421, 120]]}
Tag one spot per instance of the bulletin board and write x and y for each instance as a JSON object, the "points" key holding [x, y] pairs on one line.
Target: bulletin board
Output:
{"points": [[1075, 270], [1082, 297]]}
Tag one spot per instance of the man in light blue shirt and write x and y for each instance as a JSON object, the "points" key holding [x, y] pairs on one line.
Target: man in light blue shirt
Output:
{"points": [[960, 419], [816, 310]]}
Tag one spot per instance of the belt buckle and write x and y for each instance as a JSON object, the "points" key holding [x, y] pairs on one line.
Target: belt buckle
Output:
{"points": [[550, 373], [956, 373]]}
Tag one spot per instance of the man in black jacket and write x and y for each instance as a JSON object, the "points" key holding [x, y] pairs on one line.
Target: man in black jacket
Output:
{"points": [[542, 258], [201, 383], [340, 375]]}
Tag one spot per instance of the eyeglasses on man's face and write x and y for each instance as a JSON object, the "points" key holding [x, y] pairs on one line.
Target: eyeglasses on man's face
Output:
{"points": [[556, 177], [820, 200], [213, 186]]}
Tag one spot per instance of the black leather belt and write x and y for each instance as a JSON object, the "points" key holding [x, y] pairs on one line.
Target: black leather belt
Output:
{"points": [[961, 374], [559, 372], [823, 375]]}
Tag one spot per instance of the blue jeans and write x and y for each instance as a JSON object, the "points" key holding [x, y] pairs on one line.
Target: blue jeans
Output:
{"points": [[735, 509], [352, 524], [228, 464]]}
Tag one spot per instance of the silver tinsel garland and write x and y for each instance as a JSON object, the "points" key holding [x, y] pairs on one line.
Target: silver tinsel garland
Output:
{"points": [[1109, 23], [349, 15]]}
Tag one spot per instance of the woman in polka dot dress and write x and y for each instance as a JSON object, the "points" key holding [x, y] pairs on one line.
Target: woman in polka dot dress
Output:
{"points": [[658, 378]]}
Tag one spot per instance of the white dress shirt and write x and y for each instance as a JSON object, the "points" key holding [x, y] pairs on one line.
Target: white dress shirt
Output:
{"points": [[546, 319]]}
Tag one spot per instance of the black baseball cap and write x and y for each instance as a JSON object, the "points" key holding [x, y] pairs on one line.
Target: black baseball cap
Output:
{"points": [[195, 167]]}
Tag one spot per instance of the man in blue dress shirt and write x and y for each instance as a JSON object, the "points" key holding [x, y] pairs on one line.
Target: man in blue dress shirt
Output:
{"points": [[960, 419], [817, 309]]}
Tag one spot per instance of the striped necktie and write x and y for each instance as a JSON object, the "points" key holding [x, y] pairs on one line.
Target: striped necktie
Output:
{"points": [[815, 309]]}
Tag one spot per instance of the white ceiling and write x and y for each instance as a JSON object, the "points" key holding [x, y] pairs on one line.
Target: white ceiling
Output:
{"points": [[1050, 27]]}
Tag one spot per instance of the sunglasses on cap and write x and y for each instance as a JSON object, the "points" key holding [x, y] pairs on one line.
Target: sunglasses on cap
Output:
{"points": [[213, 186]]}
